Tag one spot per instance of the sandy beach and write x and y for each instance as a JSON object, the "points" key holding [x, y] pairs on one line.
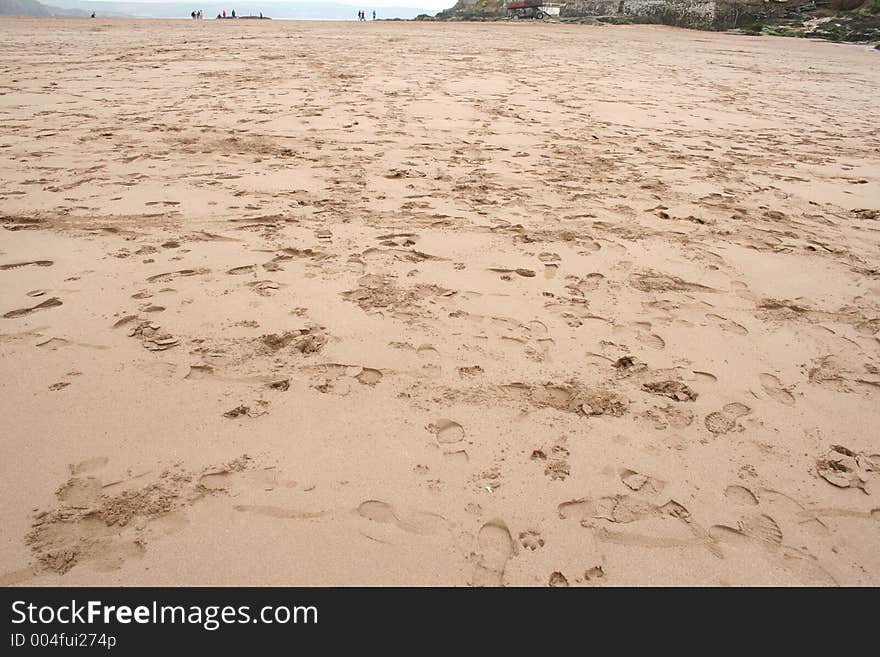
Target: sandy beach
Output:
{"points": [[302, 303]]}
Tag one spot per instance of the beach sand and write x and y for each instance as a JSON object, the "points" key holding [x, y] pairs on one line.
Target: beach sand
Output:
{"points": [[288, 303]]}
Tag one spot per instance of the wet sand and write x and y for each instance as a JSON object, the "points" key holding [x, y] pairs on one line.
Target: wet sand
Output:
{"points": [[397, 303]]}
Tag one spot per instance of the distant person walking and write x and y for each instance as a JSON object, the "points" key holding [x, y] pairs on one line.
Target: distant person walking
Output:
{"points": [[233, 13], [374, 14], [224, 13]]}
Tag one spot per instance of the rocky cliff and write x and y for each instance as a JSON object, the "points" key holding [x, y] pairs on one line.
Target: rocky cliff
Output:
{"points": [[34, 8], [706, 14], [836, 20], [23, 8]]}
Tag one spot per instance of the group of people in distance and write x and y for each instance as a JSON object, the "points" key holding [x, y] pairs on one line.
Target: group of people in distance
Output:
{"points": [[197, 14], [362, 15], [222, 14]]}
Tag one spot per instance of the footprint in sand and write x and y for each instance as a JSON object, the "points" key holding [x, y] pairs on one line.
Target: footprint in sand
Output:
{"points": [[531, 540], [727, 325], [774, 388], [459, 457], [705, 376], [368, 376], [636, 481], [244, 269], [430, 359], [760, 527], [18, 265], [167, 276], [414, 522], [651, 340], [736, 410], [719, 423], [580, 287], [579, 509], [761, 538], [537, 328], [447, 431], [45, 305], [377, 511], [724, 421], [494, 548], [740, 495]]}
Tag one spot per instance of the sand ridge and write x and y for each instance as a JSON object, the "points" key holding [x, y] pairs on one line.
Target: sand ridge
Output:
{"points": [[481, 305]]}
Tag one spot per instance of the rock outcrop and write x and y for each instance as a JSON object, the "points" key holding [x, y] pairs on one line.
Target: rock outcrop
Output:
{"points": [[843, 20], [703, 14]]}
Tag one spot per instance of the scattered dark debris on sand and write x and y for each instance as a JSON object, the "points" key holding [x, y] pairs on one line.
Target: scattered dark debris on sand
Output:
{"points": [[151, 336], [306, 341], [89, 524], [675, 390], [652, 281], [570, 397], [248, 411], [844, 468]]}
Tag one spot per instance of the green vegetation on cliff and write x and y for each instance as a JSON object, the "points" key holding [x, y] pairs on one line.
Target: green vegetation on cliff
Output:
{"points": [[465, 10]]}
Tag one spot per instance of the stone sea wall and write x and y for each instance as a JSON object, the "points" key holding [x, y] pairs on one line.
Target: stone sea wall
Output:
{"points": [[686, 13]]}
